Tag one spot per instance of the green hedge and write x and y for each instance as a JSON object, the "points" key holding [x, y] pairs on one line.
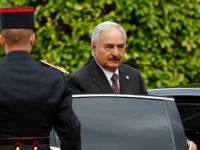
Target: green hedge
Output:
{"points": [[163, 36]]}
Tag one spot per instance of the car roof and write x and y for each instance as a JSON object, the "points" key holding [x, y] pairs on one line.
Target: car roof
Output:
{"points": [[175, 92]]}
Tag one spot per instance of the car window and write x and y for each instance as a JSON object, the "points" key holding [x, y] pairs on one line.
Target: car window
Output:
{"points": [[190, 115], [127, 123]]}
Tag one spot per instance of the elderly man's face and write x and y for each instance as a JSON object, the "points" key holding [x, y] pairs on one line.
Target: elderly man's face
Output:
{"points": [[109, 53]]}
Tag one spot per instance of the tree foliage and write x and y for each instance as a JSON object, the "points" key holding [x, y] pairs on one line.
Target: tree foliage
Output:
{"points": [[163, 36]]}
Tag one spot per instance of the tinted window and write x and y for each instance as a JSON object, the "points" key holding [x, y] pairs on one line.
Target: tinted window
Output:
{"points": [[190, 116], [123, 123], [189, 109]]}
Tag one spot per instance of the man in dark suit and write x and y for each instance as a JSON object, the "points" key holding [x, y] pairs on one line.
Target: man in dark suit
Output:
{"points": [[33, 96], [108, 44], [96, 76], [91, 79]]}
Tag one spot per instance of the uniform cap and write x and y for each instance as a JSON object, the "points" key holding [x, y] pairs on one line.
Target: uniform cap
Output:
{"points": [[17, 17]]}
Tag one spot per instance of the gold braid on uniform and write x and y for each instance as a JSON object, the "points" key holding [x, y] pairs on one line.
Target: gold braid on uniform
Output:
{"points": [[55, 66]]}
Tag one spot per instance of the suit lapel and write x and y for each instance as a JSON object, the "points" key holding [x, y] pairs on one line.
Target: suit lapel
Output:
{"points": [[124, 80], [99, 79]]}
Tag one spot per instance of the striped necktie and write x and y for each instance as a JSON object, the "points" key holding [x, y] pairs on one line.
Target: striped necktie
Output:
{"points": [[115, 86]]}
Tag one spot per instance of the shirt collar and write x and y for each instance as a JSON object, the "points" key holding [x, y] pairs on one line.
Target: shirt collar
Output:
{"points": [[108, 73]]}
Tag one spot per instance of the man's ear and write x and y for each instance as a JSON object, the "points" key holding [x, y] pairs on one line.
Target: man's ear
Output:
{"points": [[2, 41], [93, 47], [32, 39]]}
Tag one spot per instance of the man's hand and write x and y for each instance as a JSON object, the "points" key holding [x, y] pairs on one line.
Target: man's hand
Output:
{"points": [[191, 145]]}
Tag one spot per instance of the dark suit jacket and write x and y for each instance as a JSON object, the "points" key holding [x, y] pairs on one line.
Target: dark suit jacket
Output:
{"points": [[91, 79], [33, 98]]}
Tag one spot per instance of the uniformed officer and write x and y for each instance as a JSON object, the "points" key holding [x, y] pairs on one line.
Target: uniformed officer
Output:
{"points": [[33, 96]]}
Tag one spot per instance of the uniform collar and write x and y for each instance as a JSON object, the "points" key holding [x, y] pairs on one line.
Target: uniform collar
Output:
{"points": [[17, 55]]}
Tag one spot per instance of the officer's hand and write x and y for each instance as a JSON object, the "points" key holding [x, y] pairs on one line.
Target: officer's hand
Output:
{"points": [[191, 145]]}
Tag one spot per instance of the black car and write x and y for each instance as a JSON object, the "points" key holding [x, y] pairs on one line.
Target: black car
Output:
{"points": [[188, 103], [127, 122]]}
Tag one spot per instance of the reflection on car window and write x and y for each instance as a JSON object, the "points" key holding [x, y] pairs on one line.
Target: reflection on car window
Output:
{"points": [[186, 112]]}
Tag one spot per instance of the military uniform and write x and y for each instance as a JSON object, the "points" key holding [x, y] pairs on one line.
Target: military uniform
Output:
{"points": [[33, 98]]}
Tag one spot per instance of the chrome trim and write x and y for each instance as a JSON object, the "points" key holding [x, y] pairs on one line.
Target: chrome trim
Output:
{"points": [[123, 95]]}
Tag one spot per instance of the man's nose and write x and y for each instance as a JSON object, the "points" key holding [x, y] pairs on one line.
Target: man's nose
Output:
{"points": [[115, 50]]}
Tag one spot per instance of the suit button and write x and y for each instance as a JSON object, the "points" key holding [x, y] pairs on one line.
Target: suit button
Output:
{"points": [[17, 148], [35, 148]]}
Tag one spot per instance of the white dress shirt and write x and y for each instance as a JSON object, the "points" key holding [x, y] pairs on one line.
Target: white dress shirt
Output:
{"points": [[109, 74]]}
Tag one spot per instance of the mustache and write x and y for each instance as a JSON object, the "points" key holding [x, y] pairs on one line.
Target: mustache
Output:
{"points": [[114, 58]]}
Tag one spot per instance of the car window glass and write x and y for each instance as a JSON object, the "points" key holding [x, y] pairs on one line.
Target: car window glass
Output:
{"points": [[123, 124], [190, 116]]}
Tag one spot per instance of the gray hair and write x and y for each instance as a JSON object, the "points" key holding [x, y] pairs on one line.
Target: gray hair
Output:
{"points": [[103, 26]]}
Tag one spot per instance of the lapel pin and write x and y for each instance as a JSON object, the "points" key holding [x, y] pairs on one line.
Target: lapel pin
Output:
{"points": [[127, 77]]}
